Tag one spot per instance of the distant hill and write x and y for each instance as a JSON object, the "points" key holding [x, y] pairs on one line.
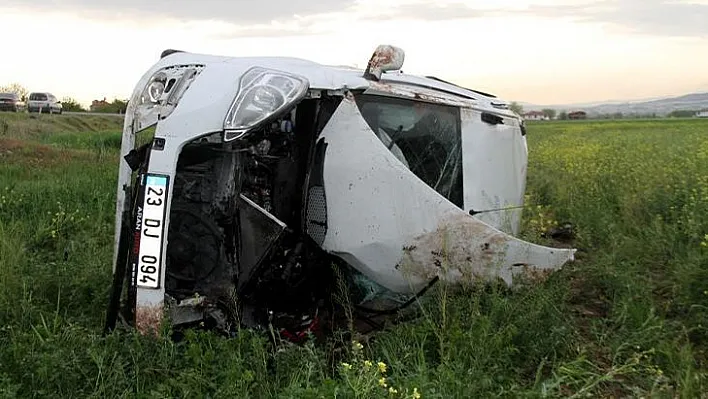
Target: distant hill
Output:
{"points": [[660, 107]]}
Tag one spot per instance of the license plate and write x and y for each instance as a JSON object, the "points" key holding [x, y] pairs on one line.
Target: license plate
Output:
{"points": [[149, 263]]}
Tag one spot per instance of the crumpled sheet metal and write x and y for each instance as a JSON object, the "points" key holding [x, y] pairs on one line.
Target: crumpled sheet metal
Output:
{"points": [[409, 232], [464, 250]]}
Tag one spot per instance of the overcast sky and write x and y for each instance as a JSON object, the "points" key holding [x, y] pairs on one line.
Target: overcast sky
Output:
{"points": [[540, 51]]}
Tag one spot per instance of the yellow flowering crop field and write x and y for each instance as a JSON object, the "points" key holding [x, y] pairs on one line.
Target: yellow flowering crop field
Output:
{"points": [[629, 318]]}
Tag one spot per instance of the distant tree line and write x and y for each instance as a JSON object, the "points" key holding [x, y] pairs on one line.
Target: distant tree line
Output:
{"points": [[682, 114], [71, 105], [516, 107], [563, 115], [115, 107], [620, 115], [549, 113]]}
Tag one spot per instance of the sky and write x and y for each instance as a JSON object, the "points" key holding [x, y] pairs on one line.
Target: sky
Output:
{"points": [[536, 51]]}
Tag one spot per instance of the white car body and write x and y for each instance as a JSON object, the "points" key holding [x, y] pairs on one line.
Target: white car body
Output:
{"points": [[361, 202], [44, 102]]}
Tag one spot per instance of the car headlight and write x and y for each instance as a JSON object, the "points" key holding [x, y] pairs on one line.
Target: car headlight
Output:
{"points": [[262, 93], [162, 93]]}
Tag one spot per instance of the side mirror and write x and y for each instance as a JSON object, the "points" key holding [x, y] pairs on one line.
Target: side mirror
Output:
{"points": [[385, 58], [169, 51]]}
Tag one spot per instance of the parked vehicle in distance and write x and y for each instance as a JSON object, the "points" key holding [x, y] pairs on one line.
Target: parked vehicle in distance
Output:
{"points": [[44, 102], [11, 102]]}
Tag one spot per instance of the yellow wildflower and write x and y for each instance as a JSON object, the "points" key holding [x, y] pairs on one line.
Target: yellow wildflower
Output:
{"points": [[382, 382], [357, 346], [416, 394], [368, 364], [347, 366], [392, 391], [381, 366]]}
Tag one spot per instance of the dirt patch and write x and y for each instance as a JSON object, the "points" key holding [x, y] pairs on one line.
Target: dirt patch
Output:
{"points": [[148, 319], [533, 275], [587, 299]]}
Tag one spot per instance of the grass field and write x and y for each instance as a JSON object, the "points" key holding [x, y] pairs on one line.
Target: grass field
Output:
{"points": [[629, 318]]}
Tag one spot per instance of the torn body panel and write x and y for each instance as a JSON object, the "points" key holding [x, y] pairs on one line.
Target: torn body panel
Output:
{"points": [[464, 250], [401, 238]]}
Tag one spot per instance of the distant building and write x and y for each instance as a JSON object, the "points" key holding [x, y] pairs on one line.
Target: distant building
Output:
{"points": [[535, 116], [577, 115], [98, 104], [702, 113]]}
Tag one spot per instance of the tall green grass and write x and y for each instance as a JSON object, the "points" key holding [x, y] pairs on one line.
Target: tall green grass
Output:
{"points": [[627, 319]]}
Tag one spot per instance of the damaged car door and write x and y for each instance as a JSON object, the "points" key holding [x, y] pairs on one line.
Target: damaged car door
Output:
{"points": [[395, 198]]}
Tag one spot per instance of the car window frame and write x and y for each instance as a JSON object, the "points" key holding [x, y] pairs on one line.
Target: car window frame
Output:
{"points": [[455, 193]]}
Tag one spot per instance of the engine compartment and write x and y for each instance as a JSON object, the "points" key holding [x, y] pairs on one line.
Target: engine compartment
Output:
{"points": [[238, 251]]}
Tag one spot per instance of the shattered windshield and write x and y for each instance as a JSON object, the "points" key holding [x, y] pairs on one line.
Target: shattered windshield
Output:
{"points": [[425, 137]]}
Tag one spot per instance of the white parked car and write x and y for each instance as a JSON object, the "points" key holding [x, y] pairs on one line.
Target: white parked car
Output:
{"points": [[44, 102], [265, 175]]}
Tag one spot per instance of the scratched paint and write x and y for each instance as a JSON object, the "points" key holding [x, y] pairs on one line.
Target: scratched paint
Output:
{"points": [[465, 250], [419, 93]]}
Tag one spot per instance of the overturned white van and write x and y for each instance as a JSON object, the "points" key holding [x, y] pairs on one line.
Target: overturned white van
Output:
{"points": [[261, 175]]}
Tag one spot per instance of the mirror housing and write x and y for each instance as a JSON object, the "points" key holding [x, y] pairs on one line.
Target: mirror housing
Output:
{"points": [[169, 51], [385, 58]]}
